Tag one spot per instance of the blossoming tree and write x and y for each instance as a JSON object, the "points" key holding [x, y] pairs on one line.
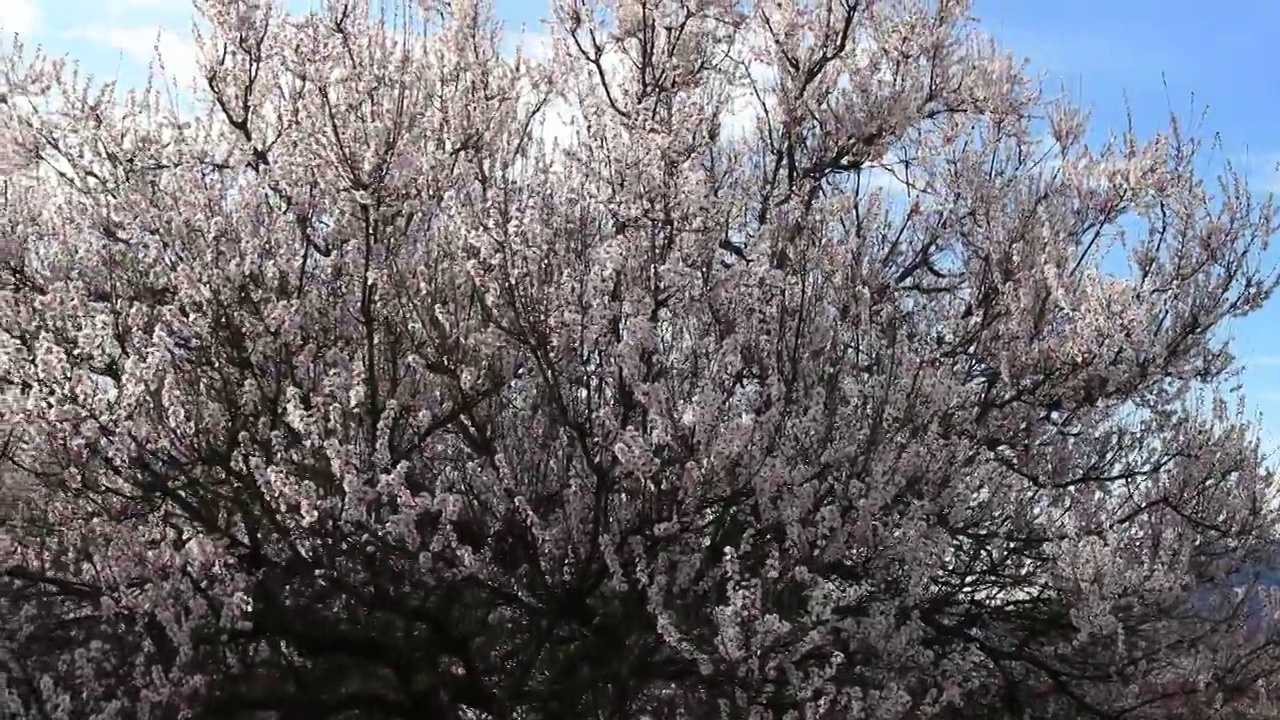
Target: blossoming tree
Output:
{"points": [[701, 360]]}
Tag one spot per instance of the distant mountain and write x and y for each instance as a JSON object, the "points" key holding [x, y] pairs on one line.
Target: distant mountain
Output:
{"points": [[1249, 596]]}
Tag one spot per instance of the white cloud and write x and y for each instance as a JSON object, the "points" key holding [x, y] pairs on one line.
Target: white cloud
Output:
{"points": [[19, 16], [561, 123], [139, 43], [130, 5], [1271, 182], [1261, 170], [531, 44]]}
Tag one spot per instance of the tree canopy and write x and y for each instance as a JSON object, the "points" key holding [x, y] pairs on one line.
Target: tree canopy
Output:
{"points": [[693, 359]]}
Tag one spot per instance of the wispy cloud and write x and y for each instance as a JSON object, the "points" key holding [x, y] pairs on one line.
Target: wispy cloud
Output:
{"points": [[140, 43], [141, 4], [1084, 54], [1264, 174], [19, 16]]}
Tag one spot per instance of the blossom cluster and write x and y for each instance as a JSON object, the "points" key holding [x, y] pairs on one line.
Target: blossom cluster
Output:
{"points": [[702, 359]]}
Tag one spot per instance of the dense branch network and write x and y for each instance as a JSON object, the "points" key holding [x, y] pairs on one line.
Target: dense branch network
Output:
{"points": [[702, 359]]}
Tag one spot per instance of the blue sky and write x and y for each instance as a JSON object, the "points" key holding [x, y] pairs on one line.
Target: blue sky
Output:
{"points": [[1155, 55], [1151, 55]]}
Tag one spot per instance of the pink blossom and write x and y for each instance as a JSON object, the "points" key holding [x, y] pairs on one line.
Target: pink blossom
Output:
{"points": [[632, 377]]}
